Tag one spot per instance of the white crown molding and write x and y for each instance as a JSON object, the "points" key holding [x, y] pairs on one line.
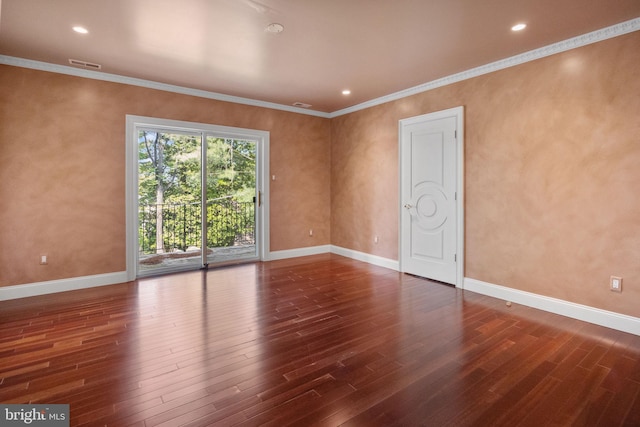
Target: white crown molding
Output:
{"points": [[573, 43], [609, 319], [579, 41], [115, 78], [62, 285]]}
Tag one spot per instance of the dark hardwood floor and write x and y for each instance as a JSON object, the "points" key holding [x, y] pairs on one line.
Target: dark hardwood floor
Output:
{"points": [[321, 340]]}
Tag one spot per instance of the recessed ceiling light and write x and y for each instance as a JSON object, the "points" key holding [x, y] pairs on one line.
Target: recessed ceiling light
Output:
{"points": [[275, 28], [80, 30], [346, 92], [519, 27]]}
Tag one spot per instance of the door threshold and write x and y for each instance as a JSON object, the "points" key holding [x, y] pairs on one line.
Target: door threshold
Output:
{"points": [[431, 280]]}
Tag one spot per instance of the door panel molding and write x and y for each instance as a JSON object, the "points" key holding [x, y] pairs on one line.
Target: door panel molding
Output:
{"points": [[424, 209]]}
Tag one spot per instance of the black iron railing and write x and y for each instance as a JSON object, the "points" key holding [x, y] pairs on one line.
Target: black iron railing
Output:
{"points": [[229, 223]]}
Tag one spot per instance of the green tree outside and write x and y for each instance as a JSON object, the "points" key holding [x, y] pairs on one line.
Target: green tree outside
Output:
{"points": [[170, 191]]}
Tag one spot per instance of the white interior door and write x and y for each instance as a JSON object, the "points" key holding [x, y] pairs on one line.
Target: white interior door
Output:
{"points": [[431, 206]]}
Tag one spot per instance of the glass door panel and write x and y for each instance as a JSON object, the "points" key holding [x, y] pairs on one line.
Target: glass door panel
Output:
{"points": [[231, 199], [169, 201]]}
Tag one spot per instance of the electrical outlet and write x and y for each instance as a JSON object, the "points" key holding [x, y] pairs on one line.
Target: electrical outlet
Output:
{"points": [[43, 260], [375, 239], [615, 284], [310, 232]]}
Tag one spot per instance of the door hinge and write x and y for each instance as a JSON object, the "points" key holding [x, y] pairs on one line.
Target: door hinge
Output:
{"points": [[455, 257], [455, 196]]}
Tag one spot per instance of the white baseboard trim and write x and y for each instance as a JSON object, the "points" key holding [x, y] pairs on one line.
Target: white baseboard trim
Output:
{"points": [[585, 313], [349, 253], [365, 257], [76, 283], [294, 253], [62, 285]]}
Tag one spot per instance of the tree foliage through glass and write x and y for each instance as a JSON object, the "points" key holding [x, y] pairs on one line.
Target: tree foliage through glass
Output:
{"points": [[169, 187]]}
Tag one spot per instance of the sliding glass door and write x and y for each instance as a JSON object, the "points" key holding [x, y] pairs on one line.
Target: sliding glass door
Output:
{"points": [[169, 200], [197, 198], [231, 199]]}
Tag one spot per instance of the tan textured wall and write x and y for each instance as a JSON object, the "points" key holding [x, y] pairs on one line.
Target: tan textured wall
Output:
{"points": [[552, 174], [552, 155], [364, 181], [62, 171]]}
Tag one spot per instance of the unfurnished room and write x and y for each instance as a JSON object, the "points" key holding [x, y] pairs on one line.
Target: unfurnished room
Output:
{"points": [[320, 213]]}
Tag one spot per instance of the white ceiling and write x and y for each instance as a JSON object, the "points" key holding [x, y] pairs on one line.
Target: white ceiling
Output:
{"points": [[372, 47]]}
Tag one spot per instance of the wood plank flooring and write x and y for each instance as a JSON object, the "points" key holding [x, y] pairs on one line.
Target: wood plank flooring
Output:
{"points": [[313, 341]]}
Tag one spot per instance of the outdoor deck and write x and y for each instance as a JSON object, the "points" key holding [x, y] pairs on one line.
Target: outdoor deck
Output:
{"points": [[179, 260]]}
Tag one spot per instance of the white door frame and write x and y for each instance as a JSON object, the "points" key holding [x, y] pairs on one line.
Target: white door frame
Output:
{"points": [[458, 113], [131, 177]]}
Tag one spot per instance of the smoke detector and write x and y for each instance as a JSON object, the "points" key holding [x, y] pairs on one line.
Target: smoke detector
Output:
{"points": [[275, 28], [301, 105]]}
